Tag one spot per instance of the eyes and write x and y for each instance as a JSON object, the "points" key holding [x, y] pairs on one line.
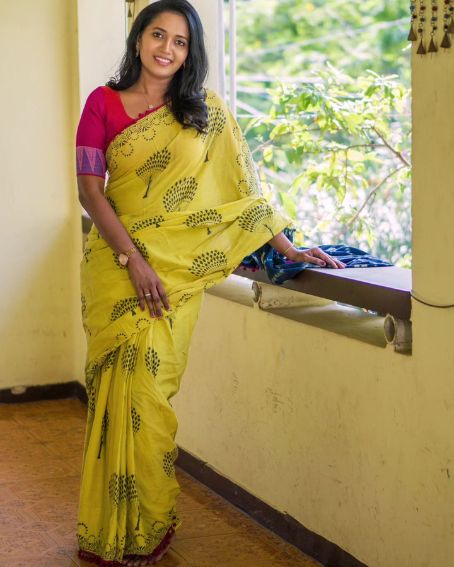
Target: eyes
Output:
{"points": [[178, 41]]}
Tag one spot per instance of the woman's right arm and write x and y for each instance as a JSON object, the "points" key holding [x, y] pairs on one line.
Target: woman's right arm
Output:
{"points": [[143, 277]]}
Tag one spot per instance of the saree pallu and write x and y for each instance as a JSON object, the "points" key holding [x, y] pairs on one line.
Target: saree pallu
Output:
{"points": [[192, 205]]}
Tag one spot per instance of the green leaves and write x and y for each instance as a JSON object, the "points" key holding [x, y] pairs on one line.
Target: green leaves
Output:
{"points": [[331, 142], [341, 142]]}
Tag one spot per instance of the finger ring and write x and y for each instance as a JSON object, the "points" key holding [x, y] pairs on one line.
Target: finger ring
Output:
{"points": [[148, 294]]}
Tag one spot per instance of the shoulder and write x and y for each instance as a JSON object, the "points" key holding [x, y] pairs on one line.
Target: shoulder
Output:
{"points": [[95, 103], [97, 99], [97, 95], [214, 99]]}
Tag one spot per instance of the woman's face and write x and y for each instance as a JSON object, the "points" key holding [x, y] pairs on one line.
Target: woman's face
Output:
{"points": [[164, 45]]}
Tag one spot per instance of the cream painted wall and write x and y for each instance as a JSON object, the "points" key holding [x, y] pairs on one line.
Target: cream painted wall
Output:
{"points": [[356, 442], [41, 340], [211, 14], [101, 32]]}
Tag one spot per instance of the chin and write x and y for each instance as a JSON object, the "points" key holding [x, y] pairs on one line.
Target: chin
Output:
{"points": [[162, 72]]}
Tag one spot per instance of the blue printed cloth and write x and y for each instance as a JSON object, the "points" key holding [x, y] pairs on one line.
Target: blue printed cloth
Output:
{"points": [[279, 269]]}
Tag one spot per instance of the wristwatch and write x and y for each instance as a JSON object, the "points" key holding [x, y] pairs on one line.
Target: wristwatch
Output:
{"points": [[123, 257]]}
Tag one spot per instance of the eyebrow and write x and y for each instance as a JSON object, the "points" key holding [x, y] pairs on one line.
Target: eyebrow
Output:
{"points": [[165, 31]]}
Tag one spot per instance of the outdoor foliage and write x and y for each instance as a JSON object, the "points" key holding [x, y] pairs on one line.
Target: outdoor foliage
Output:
{"points": [[324, 101]]}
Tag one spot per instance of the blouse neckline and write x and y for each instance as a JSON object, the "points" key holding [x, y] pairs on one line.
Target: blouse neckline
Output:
{"points": [[141, 114]]}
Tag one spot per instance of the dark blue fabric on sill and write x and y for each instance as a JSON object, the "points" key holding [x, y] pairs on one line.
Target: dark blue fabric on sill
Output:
{"points": [[279, 269]]}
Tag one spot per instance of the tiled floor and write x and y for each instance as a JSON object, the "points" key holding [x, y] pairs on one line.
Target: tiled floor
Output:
{"points": [[41, 448]]}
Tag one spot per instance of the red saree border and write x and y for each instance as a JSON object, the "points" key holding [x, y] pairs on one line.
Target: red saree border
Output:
{"points": [[152, 557]]}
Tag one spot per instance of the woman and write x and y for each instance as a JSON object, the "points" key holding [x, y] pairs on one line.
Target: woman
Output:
{"points": [[180, 210]]}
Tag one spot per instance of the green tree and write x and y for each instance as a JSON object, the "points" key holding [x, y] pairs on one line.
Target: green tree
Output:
{"points": [[323, 97]]}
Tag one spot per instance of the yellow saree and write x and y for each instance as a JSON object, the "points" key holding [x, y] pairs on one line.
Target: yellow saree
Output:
{"points": [[191, 203]]}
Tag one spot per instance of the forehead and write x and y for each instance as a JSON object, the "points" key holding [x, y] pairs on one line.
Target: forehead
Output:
{"points": [[171, 22]]}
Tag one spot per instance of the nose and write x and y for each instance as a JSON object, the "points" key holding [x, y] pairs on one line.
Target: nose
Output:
{"points": [[167, 45]]}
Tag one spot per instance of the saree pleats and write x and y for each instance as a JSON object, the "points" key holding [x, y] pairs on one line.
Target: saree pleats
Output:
{"points": [[192, 206]]}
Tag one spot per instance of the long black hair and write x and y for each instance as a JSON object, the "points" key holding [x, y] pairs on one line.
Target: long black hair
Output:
{"points": [[185, 95]]}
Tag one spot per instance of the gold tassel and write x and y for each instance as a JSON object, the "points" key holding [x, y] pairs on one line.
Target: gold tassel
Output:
{"points": [[446, 42], [412, 35], [432, 46], [421, 48], [130, 14]]}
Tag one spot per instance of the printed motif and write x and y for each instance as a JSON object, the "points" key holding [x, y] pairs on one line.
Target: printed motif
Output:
{"points": [[168, 462], [90, 375], [152, 361], [104, 428], [141, 247], [255, 218], [124, 306], [206, 218], [182, 192], [135, 420], [83, 303], [144, 130], [249, 184], [156, 163], [142, 323], [112, 204], [153, 221], [184, 299], [129, 359], [208, 262], [110, 359], [122, 487], [216, 122], [140, 543], [87, 252]]}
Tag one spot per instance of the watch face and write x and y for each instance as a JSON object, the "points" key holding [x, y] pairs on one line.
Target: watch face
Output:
{"points": [[123, 259]]}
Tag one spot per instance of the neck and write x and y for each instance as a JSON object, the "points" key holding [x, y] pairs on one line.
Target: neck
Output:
{"points": [[152, 87]]}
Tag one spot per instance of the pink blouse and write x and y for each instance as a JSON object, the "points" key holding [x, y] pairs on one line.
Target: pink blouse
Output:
{"points": [[103, 118]]}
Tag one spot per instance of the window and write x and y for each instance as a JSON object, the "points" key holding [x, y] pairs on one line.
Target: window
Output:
{"points": [[321, 89]]}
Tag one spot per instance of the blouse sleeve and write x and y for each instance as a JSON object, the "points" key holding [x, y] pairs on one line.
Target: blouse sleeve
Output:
{"points": [[91, 136]]}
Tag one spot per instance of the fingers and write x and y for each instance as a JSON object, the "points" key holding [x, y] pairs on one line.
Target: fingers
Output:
{"points": [[150, 292], [320, 258], [150, 303], [313, 260], [153, 303], [163, 296], [141, 298], [156, 300]]}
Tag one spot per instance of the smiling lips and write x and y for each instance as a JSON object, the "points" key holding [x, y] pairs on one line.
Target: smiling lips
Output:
{"points": [[163, 61]]}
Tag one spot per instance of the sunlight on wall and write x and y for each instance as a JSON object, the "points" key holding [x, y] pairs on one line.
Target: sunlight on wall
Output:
{"points": [[39, 308]]}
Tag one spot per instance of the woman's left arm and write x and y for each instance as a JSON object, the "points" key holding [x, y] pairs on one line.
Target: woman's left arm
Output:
{"points": [[312, 256]]}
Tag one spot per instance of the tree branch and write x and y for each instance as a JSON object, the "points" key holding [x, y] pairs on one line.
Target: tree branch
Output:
{"points": [[399, 155], [372, 193]]}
